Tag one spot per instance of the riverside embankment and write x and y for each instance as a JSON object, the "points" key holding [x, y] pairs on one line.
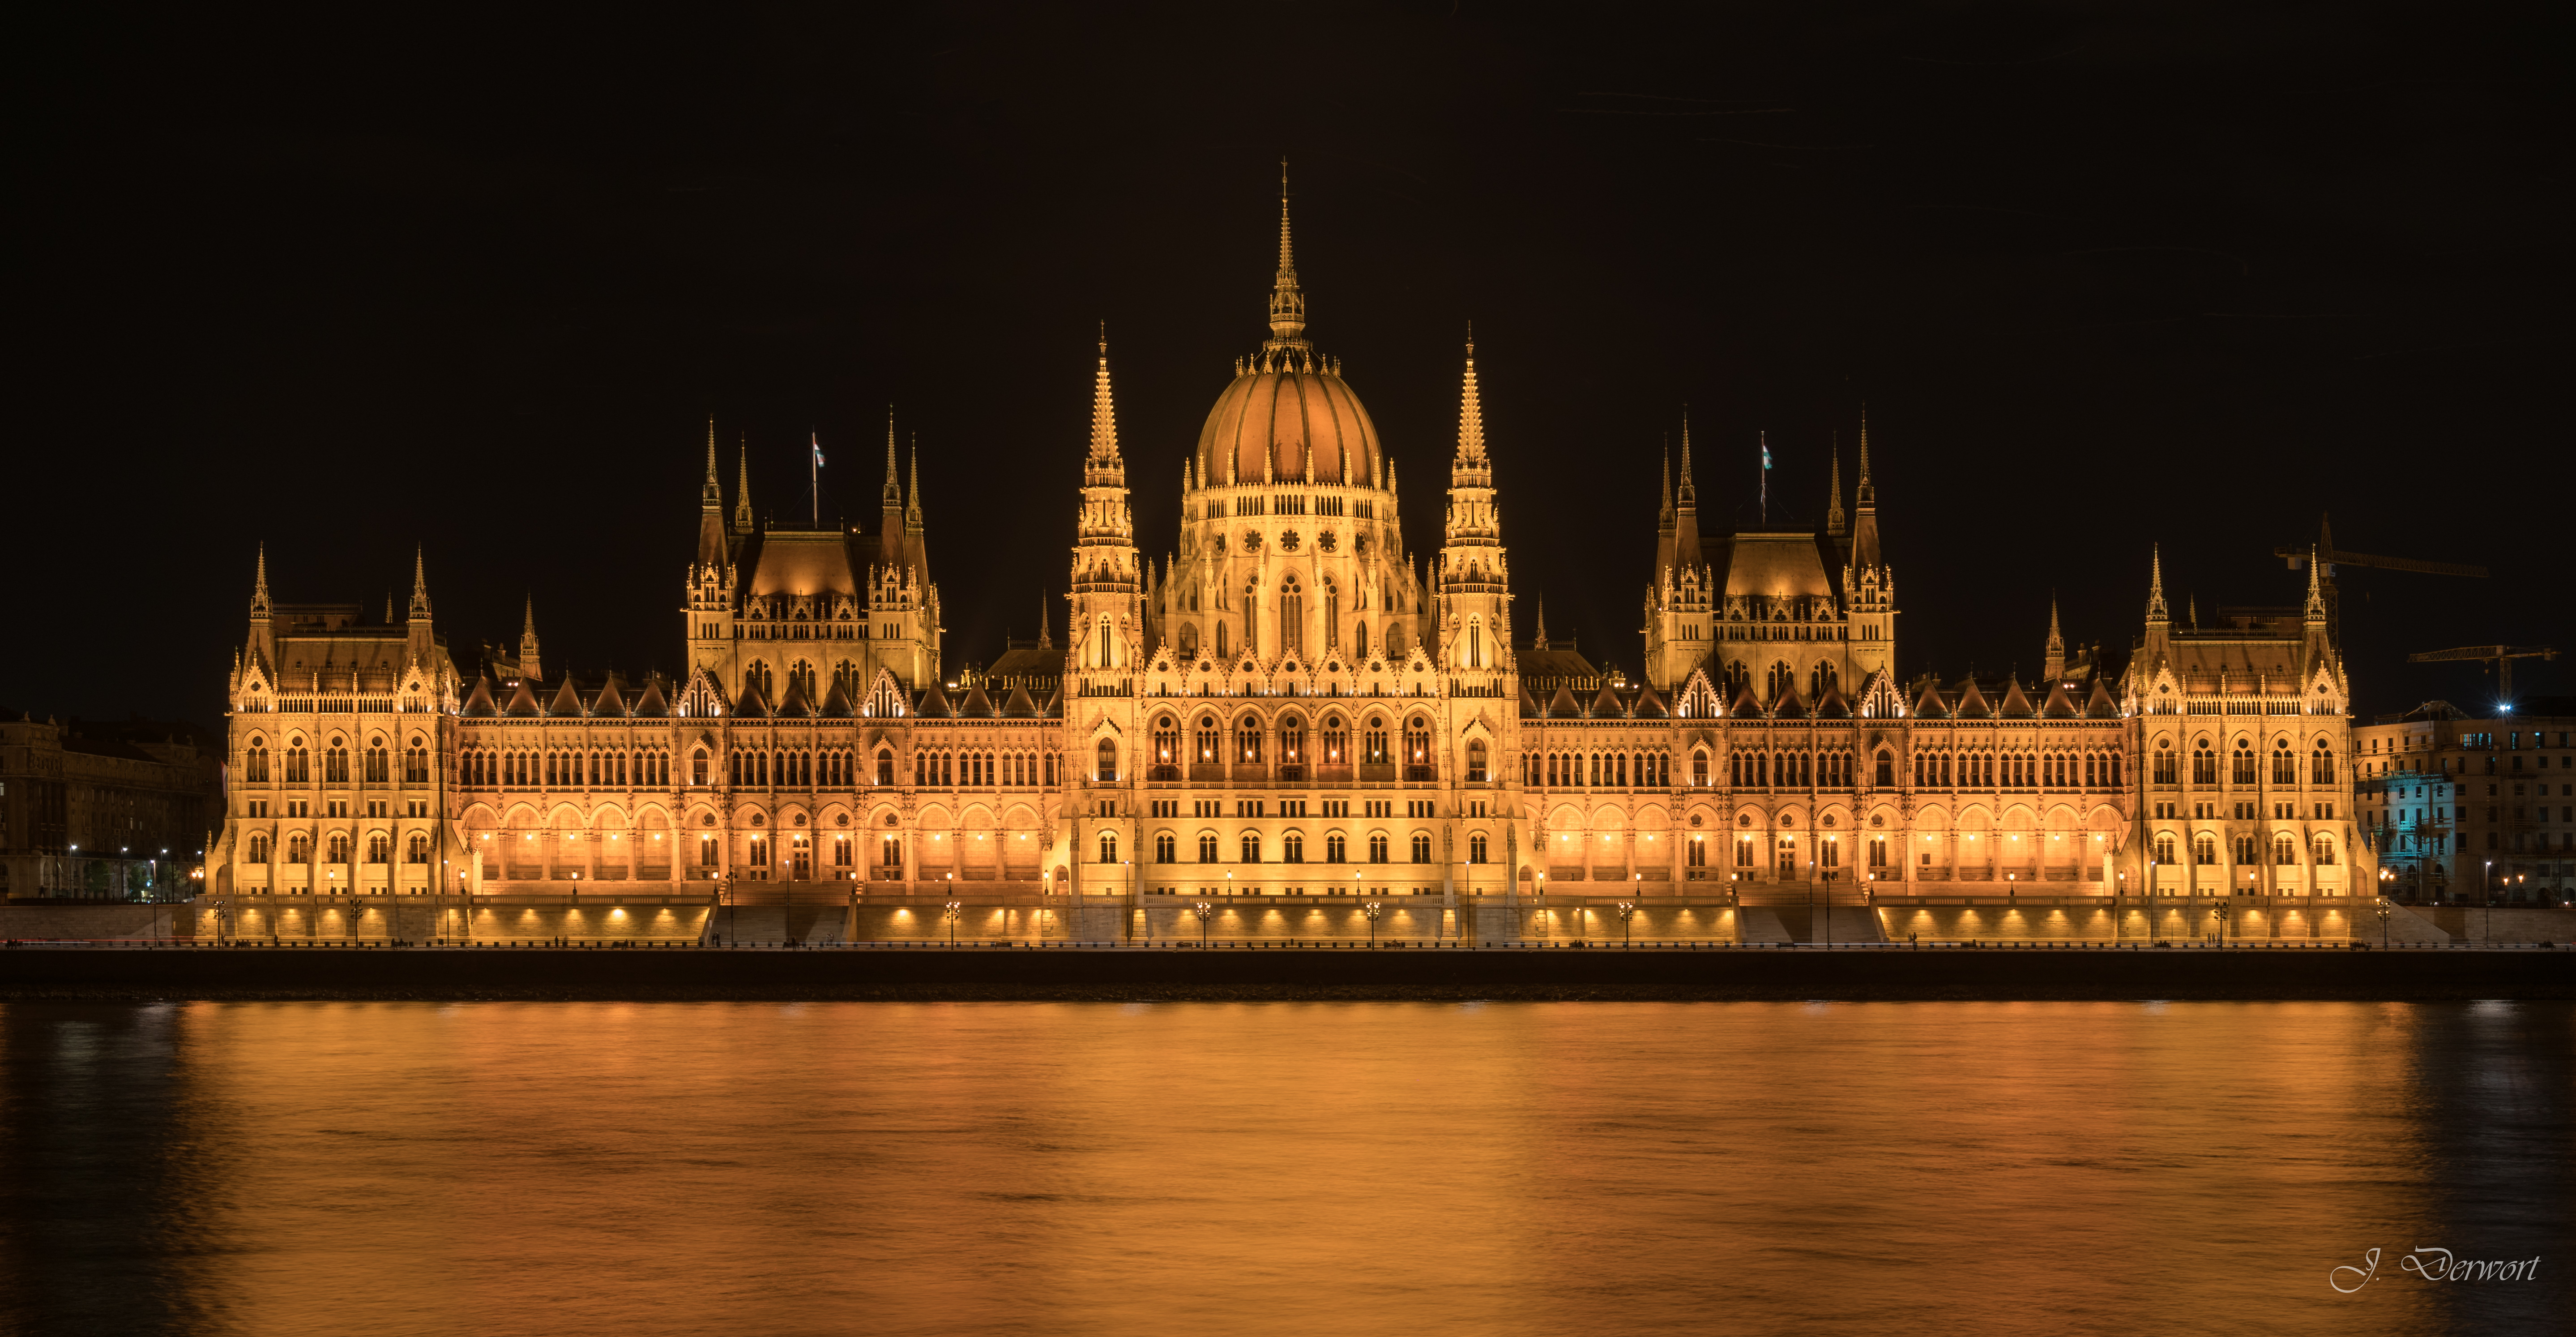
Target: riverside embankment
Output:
{"points": [[30, 974]]}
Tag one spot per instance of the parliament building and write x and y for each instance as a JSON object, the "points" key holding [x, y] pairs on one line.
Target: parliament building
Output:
{"points": [[1290, 726]]}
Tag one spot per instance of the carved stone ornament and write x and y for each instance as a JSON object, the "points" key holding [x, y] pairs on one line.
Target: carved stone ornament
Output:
{"points": [[1326, 542], [1252, 540]]}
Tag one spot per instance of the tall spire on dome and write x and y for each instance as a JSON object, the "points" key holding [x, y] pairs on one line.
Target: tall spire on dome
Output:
{"points": [[1287, 304], [1471, 410], [742, 490], [2157, 613]]}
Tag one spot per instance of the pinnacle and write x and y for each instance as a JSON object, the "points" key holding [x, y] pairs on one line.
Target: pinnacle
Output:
{"points": [[1104, 414], [1471, 411]]}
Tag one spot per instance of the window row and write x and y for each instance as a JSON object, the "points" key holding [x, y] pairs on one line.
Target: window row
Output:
{"points": [[1292, 848], [340, 762], [1598, 770], [2247, 849], [336, 848], [481, 767]]}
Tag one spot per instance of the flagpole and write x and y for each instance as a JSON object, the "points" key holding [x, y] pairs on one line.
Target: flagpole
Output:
{"points": [[814, 473], [1766, 479]]}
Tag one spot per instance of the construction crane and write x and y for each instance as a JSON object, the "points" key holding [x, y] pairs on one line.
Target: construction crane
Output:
{"points": [[2329, 557], [2502, 656]]}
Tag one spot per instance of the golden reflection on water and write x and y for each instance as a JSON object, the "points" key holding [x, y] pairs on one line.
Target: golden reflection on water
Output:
{"points": [[1983, 1168]]}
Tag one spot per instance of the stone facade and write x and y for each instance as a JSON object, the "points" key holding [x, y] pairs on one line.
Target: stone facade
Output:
{"points": [[2464, 809], [104, 811], [1289, 714]]}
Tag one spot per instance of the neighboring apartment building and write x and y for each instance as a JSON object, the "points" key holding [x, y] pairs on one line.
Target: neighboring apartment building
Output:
{"points": [[116, 811], [2461, 806]]}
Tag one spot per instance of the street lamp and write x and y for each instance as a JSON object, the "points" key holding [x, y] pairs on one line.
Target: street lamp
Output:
{"points": [[1203, 910], [955, 909], [1626, 909], [2382, 911], [1830, 875], [2220, 910], [1373, 909]]}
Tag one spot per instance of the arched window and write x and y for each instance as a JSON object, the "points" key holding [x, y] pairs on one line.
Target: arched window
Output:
{"points": [[2241, 769], [379, 763], [335, 768], [1886, 769], [1207, 849], [1374, 743], [1109, 847], [1359, 639], [1166, 849], [1332, 614], [2325, 850], [255, 763], [2204, 764], [1292, 740], [1377, 848], [1698, 852], [2204, 849], [1292, 617], [1251, 847], [299, 848], [1167, 745], [299, 769], [1208, 741], [2285, 849], [1476, 761], [258, 852], [1108, 751], [416, 848], [2165, 848], [1476, 848], [1417, 748], [2285, 767], [1475, 642], [1421, 847], [2245, 853], [698, 767], [2321, 770], [1337, 742], [1292, 848], [339, 847], [1335, 851]]}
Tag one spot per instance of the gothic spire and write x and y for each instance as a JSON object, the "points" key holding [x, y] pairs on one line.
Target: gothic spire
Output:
{"points": [[419, 586], [259, 586], [1834, 490], [1471, 411], [912, 500], [1863, 494], [1689, 494], [1104, 416], [2053, 663], [2316, 607], [742, 490], [1287, 304], [1046, 633], [1538, 640], [1664, 517], [2156, 611], [894, 478], [711, 492], [528, 665]]}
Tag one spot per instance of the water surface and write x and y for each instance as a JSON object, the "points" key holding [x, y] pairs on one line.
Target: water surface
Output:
{"points": [[1991, 1168]]}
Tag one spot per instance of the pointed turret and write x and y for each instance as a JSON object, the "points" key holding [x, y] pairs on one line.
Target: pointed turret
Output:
{"points": [[1470, 581], [1471, 411], [419, 611], [1046, 624], [1834, 491], [711, 492], [1686, 542], [2157, 615], [714, 540], [529, 667], [742, 492], [1538, 641], [2053, 660], [2316, 605], [259, 604], [1864, 547]]}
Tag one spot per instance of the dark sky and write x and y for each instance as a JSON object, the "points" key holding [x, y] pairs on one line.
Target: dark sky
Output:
{"points": [[2104, 274]]}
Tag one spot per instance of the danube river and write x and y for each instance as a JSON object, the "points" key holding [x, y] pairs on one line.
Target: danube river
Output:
{"points": [[1314, 1169]]}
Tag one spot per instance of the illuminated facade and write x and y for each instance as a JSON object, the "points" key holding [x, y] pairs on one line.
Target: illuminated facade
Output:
{"points": [[1283, 710]]}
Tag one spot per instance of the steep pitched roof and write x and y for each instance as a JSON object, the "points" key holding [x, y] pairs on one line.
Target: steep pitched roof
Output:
{"points": [[934, 704], [522, 702], [479, 701], [2057, 705], [608, 701], [1929, 703], [1651, 706], [1019, 705], [1606, 705], [977, 706], [1972, 703], [1563, 706], [652, 704], [2099, 704], [2016, 704]]}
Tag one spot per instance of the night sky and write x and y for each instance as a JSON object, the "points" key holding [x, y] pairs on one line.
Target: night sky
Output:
{"points": [[2104, 275]]}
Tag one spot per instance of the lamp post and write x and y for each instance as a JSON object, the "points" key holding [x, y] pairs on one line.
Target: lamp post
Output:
{"points": [[953, 912], [1830, 875], [1203, 910], [2383, 912], [2119, 892], [1373, 909], [1626, 909], [2220, 910]]}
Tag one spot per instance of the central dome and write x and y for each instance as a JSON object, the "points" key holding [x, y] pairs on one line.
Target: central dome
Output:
{"points": [[1282, 422]]}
